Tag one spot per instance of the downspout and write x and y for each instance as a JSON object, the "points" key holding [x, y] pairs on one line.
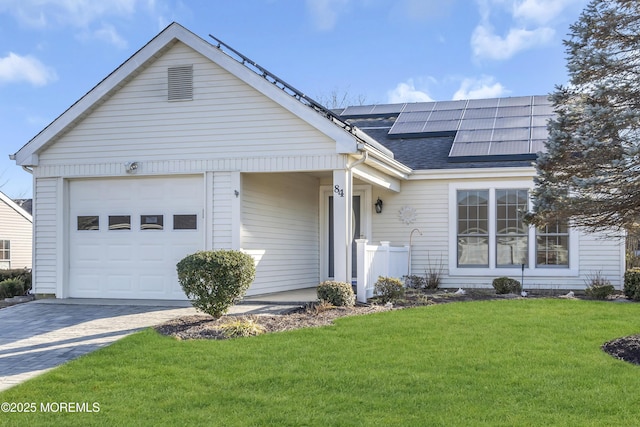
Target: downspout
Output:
{"points": [[361, 160]]}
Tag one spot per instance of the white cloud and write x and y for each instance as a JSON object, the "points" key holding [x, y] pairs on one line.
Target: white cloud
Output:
{"points": [[407, 92], [486, 44], [540, 11], [15, 68], [484, 87], [109, 34], [325, 12]]}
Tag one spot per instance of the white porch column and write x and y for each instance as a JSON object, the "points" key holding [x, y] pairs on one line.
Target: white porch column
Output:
{"points": [[363, 278], [342, 201]]}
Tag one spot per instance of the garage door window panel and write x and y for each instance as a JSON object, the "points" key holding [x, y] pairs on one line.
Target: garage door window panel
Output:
{"points": [[88, 223], [185, 222], [151, 222], [119, 222]]}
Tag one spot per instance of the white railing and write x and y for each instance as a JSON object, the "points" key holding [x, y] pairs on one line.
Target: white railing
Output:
{"points": [[375, 261]]}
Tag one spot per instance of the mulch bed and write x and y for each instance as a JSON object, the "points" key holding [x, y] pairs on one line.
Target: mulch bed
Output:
{"points": [[315, 314]]}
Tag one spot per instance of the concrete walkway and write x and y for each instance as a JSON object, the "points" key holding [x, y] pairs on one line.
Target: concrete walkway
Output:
{"points": [[40, 335]]}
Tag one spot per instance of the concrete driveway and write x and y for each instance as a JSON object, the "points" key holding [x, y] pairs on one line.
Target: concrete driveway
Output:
{"points": [[40, 335]]}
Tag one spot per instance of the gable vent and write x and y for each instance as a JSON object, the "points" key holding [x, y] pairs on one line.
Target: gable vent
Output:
{"points": [[181, 83]]}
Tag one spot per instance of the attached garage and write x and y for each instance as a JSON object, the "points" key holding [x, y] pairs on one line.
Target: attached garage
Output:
{"points": [[127, 234]]}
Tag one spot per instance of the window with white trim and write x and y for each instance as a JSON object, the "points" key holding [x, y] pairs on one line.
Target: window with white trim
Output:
{"points": [[491, 232], [5, 250]]}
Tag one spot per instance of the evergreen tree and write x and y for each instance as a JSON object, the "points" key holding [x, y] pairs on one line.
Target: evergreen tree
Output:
{"points": [[591, 170]]}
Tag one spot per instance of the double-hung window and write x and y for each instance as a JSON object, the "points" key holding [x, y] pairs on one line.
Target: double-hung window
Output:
{"points": [[491, 232]]}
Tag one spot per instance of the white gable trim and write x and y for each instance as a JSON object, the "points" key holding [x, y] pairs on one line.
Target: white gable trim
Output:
{"points": [[15, 207], [27, 155]]}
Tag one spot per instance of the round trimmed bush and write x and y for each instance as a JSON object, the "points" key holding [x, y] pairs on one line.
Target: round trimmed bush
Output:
{"points": [[388, 289], [215, 280], [339, 294], [506, 285]]}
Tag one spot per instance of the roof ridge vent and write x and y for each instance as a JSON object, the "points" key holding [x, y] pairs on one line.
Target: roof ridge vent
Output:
{"points": [[180, 83]]}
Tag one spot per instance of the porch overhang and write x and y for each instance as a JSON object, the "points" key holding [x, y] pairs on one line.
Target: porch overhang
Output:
{"points": [[379, 169]]}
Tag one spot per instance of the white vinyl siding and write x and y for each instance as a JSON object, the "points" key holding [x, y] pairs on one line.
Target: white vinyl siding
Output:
{"points": [[227, 119], [46, 236], [17, 231], [430, 199], [280, 230], [222, 211]]}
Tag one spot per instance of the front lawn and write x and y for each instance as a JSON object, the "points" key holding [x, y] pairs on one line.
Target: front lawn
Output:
{"points": [[507, 362]]}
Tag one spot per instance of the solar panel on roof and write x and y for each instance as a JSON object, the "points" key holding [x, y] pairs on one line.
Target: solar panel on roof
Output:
{"points": [[358, 110], [418, 106], [513, 111], [539, 133], [417, 116], [473, 135], [543, 110], [541, 100], [516, 101], [482, 103], [479, 113], [407, 127], [508, 147], [540, 120], [449, 105], [445, 115], [472, 124], [441, 126], [387, 108], [513, 134], [538, 146], [512, 122], [469, 149]]}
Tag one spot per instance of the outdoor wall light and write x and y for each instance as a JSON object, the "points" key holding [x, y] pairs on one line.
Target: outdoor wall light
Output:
{"points": [[131, 167], [378, 205]]}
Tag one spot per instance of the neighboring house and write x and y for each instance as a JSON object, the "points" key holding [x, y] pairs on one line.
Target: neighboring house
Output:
{"points": [[184, 148], [16, 235]]}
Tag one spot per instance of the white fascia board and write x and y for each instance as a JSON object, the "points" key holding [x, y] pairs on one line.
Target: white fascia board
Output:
{"points": [[15, 207], [377, 178], [475, 173]]}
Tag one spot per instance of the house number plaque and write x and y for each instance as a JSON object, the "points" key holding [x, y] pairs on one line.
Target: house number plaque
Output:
{"points": [[339, 191]]}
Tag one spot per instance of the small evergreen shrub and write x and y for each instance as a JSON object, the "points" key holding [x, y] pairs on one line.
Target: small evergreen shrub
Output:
{"points": [[415, 281], [215, 280], [389, 289], [339, 294], [506, 285], [598, 287], [241, 328], [23, 274], [631, 287], [11, 287]]}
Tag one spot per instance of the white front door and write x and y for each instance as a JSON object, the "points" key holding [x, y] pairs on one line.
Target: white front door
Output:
{"points": [[127, 234]]}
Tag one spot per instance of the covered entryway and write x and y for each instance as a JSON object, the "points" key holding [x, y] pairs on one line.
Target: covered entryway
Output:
{"points": [[127, 234]]}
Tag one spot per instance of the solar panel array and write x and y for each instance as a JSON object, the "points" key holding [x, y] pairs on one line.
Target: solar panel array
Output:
{"points": [[482, 127]]}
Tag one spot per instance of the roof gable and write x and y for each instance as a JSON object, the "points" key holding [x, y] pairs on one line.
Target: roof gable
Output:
{"points": [[13, 206], [28, 155]]}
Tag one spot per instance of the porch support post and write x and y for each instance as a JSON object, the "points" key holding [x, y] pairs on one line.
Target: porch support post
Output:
{"points": [[363, 277], [342, 201]]}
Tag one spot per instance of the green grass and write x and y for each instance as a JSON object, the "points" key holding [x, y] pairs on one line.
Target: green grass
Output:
{"points": [[507, 363]]}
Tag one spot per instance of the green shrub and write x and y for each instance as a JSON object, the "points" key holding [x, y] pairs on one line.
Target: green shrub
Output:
{"points": [[241, 328], [389, 289], [23, 274], [415, 281], [506, 285], [339, 294], [11, 287], [215, 280], [631, 287], [598, 287]]}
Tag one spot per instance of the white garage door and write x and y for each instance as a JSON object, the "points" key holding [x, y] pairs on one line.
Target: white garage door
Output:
{"points": [[126, 235]]}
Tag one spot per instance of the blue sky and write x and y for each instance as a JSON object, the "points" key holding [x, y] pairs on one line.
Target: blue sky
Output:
{"points": [[368, 51]]}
